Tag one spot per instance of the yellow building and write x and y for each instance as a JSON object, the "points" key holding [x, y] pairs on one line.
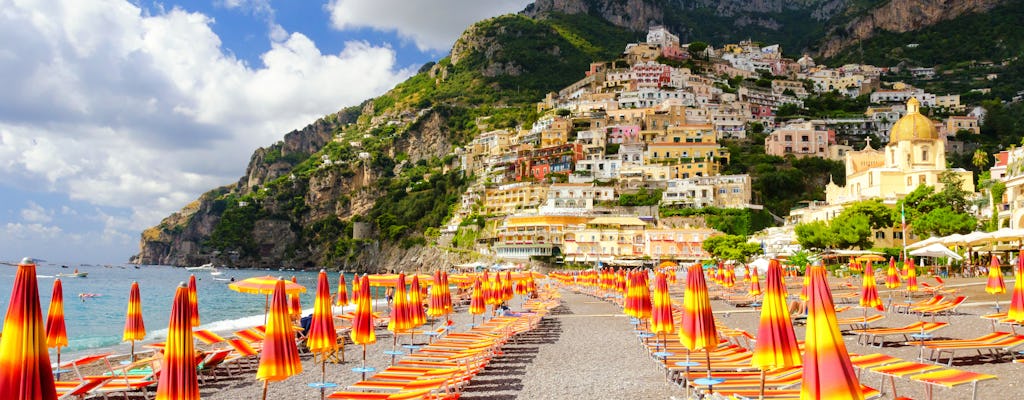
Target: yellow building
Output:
{"points": [[915, 156], [606, 239], [508, 199], [524, 236]]}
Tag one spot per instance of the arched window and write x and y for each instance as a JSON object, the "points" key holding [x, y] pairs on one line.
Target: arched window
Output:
{"points": [[924, 153]]}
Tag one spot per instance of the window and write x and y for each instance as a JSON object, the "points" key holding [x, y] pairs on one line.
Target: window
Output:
{"points": [[897, 235], [880, 235], [805, 138], [924, 154], [789, 138]]}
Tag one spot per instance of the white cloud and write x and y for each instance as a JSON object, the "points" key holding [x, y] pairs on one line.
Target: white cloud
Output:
{"points": [[432, 25], [31, 231], [119, 108], [36, 213]]}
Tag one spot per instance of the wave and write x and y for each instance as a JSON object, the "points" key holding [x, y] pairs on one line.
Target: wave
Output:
{"points": [[44, 276]]}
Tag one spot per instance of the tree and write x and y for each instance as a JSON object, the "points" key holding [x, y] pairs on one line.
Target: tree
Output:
{"points": [[696, 49], [878, 215], [730, 247], [852, 231], [942, 222], [814, 235], [980, 159]]}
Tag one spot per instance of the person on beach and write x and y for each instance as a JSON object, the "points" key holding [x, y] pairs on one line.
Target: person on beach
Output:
{"points": [[389, 293]]}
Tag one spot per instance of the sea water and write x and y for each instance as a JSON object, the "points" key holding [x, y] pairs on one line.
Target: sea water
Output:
{"points": [[98, 322]]}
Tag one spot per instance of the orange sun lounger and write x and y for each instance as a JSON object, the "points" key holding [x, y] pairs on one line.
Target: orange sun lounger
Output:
{"points": [[952, 378]]}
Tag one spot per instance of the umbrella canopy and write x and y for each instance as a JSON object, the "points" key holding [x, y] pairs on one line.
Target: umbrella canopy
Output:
{"points": [[193, 301], [869, 290], [134, 328], [56, 331], [729, 278], [755, 284], [1016, 311], [936, 250], [776, 345], [643, 296], [323, 338], [178, 380], [280, 356], [264, 285], [362, 321], [806, 283], [342, 298], [892, 276], [506, 286], [828, 373], [416, 303], [447, 292], [697, 328], [477, 304], [294, 302], [496, 293], [911, 275], [401, 314], [391, 280], [436, 308], [25, 371], [661, 311], [995, 284]]}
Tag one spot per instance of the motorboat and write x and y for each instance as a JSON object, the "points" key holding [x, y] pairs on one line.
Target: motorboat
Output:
{"points": [[75, 274], [204, 267]]}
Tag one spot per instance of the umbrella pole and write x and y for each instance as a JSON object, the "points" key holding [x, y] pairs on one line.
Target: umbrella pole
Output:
{"points": [[394, 344], [133, 351], [364, 363], [323, 373], [686, 375], [266, 309], [707, 354], [265, 383], [58, 363], [761, 394]]}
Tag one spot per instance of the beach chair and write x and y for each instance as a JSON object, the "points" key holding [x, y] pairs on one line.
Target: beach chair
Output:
{"points": [[786, 394], [845, 297], [207, 337], [952, 378], [242, 355], [876, 336], [79, 389], [862, 362], [947, 309], [209, 364], [900, 369], [995, 318], [995, 348], [905, 307], [859, 321]]}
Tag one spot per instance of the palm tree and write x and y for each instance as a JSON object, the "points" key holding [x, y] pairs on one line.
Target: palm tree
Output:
{"points": [[980, 159]]}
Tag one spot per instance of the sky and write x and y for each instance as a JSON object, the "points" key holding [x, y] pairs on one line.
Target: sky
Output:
{"points": [[115, 113]]}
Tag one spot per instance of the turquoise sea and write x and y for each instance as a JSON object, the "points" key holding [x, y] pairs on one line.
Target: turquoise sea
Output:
{"points": [[98, 322]]}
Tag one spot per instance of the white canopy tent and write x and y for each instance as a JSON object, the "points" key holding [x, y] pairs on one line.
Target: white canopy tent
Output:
{"points": [[936, 250]]}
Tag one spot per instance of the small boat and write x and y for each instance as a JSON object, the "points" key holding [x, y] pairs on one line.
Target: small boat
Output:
{"points": [[204, 267], [215, 272], [75, 274], [84, 296]]}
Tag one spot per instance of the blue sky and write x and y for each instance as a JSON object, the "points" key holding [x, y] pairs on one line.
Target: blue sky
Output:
{"points": [[116, 113]]}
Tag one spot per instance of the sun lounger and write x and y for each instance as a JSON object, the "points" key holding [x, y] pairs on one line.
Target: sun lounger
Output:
{"points": [[867, 361], [995, 348], [900, 369], [786, 394], [946, 308], [859, 321], [207, 337], [951, 378], [876, 336], [905, 307], [79, 389]]}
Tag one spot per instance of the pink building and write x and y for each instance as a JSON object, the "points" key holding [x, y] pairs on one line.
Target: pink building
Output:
{"points": [[651, 74], [619, 134], [801, 139]]}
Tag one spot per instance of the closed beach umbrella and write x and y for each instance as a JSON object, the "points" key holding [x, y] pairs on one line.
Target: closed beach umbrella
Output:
{"points": [[995, 284], [178, 380], [25, 371], [729, 280], [279, 358], [193, 301], [294, 303], [697, 328], [1016, 311], [892, 277], [323, 338], [56, 331], [416, 303], [629, 305], [912, 276], [436, 308], [661, 308], [828, 373], [447, 293], [643, 298], [746, 273], [806, 283], [401, 318], [134, 328], [342, 299], [477, 304], [855, 266], [869, 290], [506, 288], [755, 283], [497, 293], [776, 345], [362, 322]]}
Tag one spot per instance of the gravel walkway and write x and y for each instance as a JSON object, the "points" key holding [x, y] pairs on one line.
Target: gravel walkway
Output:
{"points": [[584, 349]]}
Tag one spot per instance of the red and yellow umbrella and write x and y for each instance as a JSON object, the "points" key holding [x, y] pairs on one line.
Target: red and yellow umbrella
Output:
{"points": [[447, 293], [134, 327], [643, 296], [995, 284], [497, 295], [776, 345], [661, 311], [697, 328], [892, 276], [506, 287], [193, 301], [806, 283], [1016, 311], [294, 303], [178, 380], [436, 308], [342, 298], [828, 373], [869, 290], [416, 303], [746, 273], [477, 304], [912, 275], [755, 283], [56, 331], [279, 358], [323, 338], [728, 277], [25, 371], [855, 266], [362, 322], [264, 285], [401, 317]]}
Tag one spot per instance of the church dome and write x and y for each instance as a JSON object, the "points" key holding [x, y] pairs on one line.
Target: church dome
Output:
{"points": [[913, 126]]}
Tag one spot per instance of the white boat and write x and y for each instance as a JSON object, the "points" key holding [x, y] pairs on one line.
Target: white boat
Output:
{"points": [[215, 272], [204, 267], [75, 274]]}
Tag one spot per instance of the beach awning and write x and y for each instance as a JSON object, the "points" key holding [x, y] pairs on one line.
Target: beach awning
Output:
{"points": [[924, 243], [935, 250]]}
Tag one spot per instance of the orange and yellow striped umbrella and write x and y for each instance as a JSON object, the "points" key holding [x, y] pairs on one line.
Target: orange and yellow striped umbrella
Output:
{"points": [[193, 301], [806, 283], [892, 276], [828, 373], [746, 273], [447, 293], [776, 345], [995, 284], [436, 307], [496, 291], [643, 296], [362, 321], [755, 283], [477, 304], [661, 312], [1016, 311], [697, 329], [279, 358], [629, 301], [416, 303], [506, 287], [25, 371], [134, 327], [264, 285], [56, 331], [294, 303], [869, 290], [401, 316], [911, 271], [178, 380], [323, 338], [729, 277], [342, 299]]}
